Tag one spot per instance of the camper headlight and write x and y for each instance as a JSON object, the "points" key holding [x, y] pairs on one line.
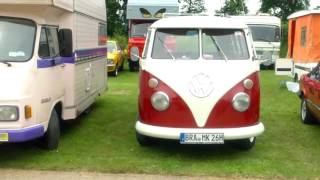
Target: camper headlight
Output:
{"points": [[9, 113], [241, 102], [160, 101]]}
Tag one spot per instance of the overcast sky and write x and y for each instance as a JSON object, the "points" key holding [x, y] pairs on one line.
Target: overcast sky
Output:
{"points": [[253, 5]]}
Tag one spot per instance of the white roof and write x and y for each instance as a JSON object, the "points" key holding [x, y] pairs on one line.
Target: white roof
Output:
{"points": [[258, 19], [303, 13], [199, 22]]}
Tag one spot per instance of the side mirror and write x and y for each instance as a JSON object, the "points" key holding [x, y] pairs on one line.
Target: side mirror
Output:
{"points": [[134, 54], [65, 42]]}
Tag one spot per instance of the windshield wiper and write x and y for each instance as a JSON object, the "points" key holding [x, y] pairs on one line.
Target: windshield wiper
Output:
{"points": [[165, 47], [6, 63], [219, 48]]}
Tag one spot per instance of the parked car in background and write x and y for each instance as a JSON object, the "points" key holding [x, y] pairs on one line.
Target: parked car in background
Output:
{"points": [[310, 96], [115, 58], [266, 34], [191, 87]]}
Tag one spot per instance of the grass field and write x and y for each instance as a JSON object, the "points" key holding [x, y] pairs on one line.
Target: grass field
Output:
{"points": [[105, 141]]}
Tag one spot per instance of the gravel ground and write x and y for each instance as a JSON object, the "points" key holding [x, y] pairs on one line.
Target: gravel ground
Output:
{"points": [[57, 175]]}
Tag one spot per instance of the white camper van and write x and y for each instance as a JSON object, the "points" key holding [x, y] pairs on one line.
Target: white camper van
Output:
{"points": [[52, 65], [266, 34]]}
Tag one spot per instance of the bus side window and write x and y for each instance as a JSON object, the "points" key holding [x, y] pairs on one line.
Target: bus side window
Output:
{"points": [[44, 45]]}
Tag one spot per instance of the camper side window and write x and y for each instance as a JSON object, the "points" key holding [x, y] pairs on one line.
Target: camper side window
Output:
{"points": [[49, 43], [102, 41]]}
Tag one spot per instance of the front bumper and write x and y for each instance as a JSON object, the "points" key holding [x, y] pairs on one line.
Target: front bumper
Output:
{"points": [[111, 67], [22, 135], [174, 133]]}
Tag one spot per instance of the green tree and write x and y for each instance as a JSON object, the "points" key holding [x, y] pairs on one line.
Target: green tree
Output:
{"points": [[234, 7], [116, 17], [192, 6], [283, 8]]}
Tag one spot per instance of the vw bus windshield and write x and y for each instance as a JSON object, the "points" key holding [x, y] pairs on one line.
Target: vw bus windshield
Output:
{"points": [[111, 47], [140, 30], [224, 44], [265, 33], [176, 44], [17, 38]]}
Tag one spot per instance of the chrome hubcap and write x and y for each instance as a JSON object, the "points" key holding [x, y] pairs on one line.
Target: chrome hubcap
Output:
{"points": [[303, 110]]}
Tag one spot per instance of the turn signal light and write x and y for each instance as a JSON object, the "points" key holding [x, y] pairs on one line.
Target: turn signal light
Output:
{"points": [[28, 112]]}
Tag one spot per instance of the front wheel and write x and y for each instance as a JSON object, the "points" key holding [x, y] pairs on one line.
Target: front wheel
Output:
{"points": [[306, 116], [144, 140], [133, 65], [245, 144], [115, 72], [50, 140]]}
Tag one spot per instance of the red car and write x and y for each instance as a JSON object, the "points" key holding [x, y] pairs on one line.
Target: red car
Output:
{"points": [[310, 96]]}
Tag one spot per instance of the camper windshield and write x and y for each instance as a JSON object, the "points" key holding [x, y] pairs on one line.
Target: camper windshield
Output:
{"points": [[176, 44], [224, 44], [140, 29], [16, 39], [265, 33]]}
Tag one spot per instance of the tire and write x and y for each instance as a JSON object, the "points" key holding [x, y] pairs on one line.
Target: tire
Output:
{"points": [[115, 72], [121, 66], [295, 78], [144, 140], [245, 144], [305, 114], [133, 66], [50, 141]]}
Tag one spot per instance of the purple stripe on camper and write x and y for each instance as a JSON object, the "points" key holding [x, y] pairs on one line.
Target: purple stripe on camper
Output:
{"points": [[51, 62], [45, 63], [26, 134], [91, 52]]}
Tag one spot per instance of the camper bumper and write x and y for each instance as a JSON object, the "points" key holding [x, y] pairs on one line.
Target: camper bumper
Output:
{"points": [[21, 135], [174, 133]]}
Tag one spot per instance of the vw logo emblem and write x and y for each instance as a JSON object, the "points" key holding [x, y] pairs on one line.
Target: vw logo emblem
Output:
{"points": [[201, 85]]}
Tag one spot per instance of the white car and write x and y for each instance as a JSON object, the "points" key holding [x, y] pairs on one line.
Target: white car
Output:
{"points": [[199, 83]]}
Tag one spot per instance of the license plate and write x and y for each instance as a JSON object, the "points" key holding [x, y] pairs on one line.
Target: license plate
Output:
{"points": [[4, 137], [202, 138]]}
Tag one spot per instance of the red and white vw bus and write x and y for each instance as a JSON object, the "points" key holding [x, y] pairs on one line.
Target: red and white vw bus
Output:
{"points": [[199, 83]]}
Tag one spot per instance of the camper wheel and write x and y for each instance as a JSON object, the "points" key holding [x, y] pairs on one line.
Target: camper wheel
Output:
{"points": [[306, 116], [50, 140], [144, 140], [245, 144]]}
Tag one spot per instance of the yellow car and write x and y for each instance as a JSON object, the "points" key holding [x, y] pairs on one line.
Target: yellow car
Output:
{"points": [[115, 58]]}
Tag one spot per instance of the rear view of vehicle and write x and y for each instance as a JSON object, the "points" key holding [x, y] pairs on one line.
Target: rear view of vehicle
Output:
{"points": [[199, 83], [115, 58], [141, 14]]}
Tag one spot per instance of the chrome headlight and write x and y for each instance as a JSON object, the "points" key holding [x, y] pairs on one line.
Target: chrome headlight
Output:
{"points": [[9, 113], [160, 101], [241, 102]]}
